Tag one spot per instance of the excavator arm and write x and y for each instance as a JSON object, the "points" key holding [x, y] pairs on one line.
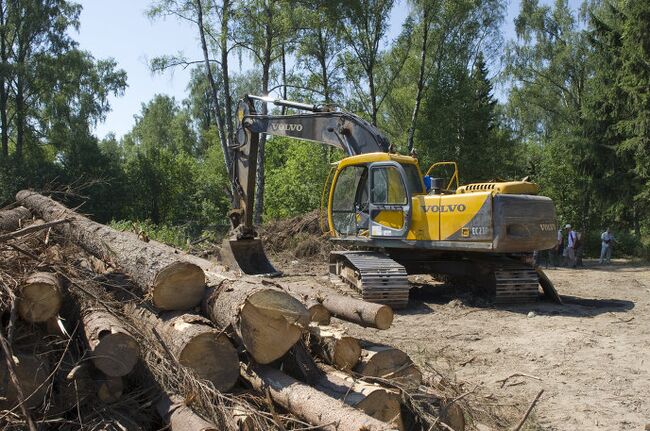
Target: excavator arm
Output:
{"points": [[342, 130]]}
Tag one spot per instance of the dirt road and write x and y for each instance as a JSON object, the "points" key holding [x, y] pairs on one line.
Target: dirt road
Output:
{"points": [[591, 355]]}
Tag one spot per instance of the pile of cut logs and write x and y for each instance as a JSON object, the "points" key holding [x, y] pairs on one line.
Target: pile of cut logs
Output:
{"points": [[95, 318]]}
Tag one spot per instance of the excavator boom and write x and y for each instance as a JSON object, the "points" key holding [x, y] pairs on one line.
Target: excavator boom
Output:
{"points": [[343, 130]]}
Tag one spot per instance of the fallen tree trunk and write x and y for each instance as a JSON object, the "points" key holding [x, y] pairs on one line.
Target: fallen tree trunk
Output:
{"points": [[309, 403], [180, 417], [265, 320], [39, 297], [372, 399], [13, 219], [113, 350], [163, 274], [387, 363], [195, 344], [335, 346], [353, 310]]}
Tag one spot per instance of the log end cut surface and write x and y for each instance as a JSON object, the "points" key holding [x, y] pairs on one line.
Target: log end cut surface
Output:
{"points": [[116, 354], [319, 314], [39, 298], [214, 358], [384, 317], [272, 321], [346, 353], [178, 286]]}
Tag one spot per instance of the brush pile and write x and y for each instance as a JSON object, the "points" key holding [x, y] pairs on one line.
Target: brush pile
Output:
{"points": [[106, 330]]}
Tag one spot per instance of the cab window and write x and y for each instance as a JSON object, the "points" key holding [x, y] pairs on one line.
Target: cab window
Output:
{"points": [[350, 187], [387, 186]]}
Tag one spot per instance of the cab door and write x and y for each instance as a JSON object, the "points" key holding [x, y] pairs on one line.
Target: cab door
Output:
{"points": [[389, 205]]}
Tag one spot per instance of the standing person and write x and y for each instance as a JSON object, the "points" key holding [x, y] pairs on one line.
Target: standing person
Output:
{"points": [[607, 240], [571, 242]]}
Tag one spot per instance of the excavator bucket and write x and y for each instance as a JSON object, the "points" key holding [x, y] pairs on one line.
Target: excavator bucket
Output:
{"points": [[247, 256]]}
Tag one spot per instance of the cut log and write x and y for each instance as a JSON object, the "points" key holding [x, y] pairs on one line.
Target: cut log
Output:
{"points": [[388, 363], [335, 346], [353, 310], [192, 340], [113, 350], [32, 374], [265, 320], [109, 389], [180, 417], [163, 274], [39, 297], [317, 312], [309, 403], [372, 399], [13, 219]]}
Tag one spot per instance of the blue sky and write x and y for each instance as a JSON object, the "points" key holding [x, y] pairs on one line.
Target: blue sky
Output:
{"points": [[120, 29]]}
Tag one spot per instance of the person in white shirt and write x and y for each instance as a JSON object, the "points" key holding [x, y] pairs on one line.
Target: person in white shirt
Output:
{"points": [[606, 246], [572, 239]]}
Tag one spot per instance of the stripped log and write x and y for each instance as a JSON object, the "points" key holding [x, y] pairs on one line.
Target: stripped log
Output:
{"points": [[163, 274], [353, 310], [13, 219], [335, 346], [32, 374], [388, 363], [113, 350], [180, 417], [197, 345], [39, 297], [309, 403], [265, 320], [372, 399]]}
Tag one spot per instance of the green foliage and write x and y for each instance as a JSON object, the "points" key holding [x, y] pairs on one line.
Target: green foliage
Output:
{"points": [[296, 174], [176, 236]]}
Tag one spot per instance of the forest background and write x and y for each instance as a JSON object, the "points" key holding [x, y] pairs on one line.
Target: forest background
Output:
{"points": [[575, 117]]}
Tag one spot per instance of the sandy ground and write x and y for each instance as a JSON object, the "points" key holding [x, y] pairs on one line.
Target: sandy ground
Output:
{"points": [[591, 356]]}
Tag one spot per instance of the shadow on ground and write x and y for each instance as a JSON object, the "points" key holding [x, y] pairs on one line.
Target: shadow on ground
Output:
{"points": [[422, 297]]}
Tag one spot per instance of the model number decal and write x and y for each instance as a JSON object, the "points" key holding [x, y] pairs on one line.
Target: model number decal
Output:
{"points": [[479, 230]]}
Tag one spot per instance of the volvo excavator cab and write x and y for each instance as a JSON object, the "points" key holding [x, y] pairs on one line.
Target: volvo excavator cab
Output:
{"points": [[397, 220]]}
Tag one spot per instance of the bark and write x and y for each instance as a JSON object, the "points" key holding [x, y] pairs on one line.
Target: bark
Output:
{"points": [[420, 84], [180, 417], [4, 83], [388, 363], [372, 399], [223, 134], [335, 346], [309, 403], [225, 78], [112, 349], [13, 219], [344, 307], [266, 76], [162, 273], [195, 344], [265, 320], [32, 373], [39, 297]]}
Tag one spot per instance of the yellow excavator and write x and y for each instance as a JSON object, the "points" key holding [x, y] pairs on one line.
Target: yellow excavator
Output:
{"points": [[393, 220]]}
